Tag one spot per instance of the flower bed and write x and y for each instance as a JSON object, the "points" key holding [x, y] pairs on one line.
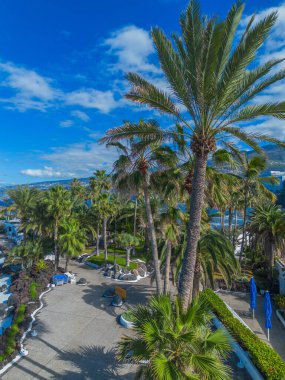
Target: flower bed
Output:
{"points": [[263, 356]]}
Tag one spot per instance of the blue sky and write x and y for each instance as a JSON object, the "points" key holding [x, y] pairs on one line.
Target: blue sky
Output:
{"points": [[62, 65]]}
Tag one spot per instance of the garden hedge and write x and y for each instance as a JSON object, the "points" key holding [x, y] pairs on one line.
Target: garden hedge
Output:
{"points": [[268, 362]]}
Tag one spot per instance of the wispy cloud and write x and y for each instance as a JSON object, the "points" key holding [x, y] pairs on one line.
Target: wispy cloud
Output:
{"points": [[133, 48], [77, 160], [103, 101], [66, 123], [80, 115], [42, 173]]}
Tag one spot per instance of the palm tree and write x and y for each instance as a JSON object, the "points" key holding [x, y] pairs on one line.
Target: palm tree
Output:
{"points": [[171, 220], [176, 343], [134, 167], [215, 255], [72, 239], [253, 184], [268, 225], [29, 251], [212, 72], [58, 206], [24, 200], [128, 242]]}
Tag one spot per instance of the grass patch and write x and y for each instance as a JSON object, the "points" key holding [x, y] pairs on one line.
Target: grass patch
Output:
{"points": [[100, 260]]}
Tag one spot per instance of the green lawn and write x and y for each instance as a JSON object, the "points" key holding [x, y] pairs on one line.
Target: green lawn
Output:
{"points": [[120, 260]]}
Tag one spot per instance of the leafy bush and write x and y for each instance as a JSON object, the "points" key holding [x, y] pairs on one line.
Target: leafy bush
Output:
{"points": [[41, 265], [128, 316], [263, 356], [11, 337], [280, 301], [33, 291]]}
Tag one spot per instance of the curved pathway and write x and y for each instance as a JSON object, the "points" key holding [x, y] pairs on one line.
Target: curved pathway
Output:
{"points": [[77, 333]]}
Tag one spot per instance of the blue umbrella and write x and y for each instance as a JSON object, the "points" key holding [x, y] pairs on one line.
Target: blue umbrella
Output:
{"points": [[253, 292], [268, 312]]}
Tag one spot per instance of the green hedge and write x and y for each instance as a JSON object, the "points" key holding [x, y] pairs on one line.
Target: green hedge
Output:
{"points": [[268, 362], [10, 339]]}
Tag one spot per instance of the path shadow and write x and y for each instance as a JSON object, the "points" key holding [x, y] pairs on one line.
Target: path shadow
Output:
{"points": [[93, 362], [136, 294]]}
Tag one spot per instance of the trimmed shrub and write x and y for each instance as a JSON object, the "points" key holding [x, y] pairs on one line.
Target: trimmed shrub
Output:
{"points": [[280, 301], [268, 362], [33, 291]]}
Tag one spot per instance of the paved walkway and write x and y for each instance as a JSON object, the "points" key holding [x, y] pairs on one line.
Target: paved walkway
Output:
{"points": [[240, 303], [77, 333]]}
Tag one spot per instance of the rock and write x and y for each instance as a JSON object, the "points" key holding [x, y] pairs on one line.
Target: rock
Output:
{"points": [[135, 272], [143, 267], [129, 277], [125, 271], [82, 281], [141, 272], [116, 268]]}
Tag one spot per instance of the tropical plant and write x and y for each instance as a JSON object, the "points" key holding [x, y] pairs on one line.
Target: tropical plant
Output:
{"points": [[212, 72], [58, 205], [253, 186], [134, 166], [174, 343], [268, 225], [128, 242], [72, 239], [30, 251]]}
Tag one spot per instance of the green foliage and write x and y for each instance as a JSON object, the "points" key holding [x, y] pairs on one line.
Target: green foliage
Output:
{"points": [[100, 260], [41, 265], [176, 344], [280, 301], [33, 290], [10, 339], [263, 356], [128, 316]]}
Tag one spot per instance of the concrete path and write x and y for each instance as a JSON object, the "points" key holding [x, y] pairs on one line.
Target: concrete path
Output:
{"points": [[77, 333], [240, 303]]}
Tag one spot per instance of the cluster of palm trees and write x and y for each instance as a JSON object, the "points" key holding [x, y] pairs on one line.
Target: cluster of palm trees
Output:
{"points": [[213, 78]]}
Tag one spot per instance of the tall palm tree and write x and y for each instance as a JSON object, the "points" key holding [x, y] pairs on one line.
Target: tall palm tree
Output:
{"points": [[176, 343], [212, 72], [268, 224], [24, 200], [72, 239], [58, 205], [134, 166], [253, 186]]}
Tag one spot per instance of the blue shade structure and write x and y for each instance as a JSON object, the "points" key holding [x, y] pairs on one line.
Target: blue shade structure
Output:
{"points": [[253, 291], [267, 312]]}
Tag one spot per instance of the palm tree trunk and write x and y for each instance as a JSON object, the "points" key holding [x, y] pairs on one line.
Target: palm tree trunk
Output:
{"points": [[230, 222], [223, 221], [197, 277], [135, 223], [193, 231], [235, 228], [56, 253], [66, 263], [167, 267], [128, 252], [152, 234], [98, 239], [105, 238], [244, 223]]}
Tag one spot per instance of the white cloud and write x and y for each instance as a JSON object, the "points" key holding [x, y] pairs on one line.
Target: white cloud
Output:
{"points": [[31, 89], [66, 123], [47, 171], [103, 101], [133, 47], [80, 115], [80, 159]]}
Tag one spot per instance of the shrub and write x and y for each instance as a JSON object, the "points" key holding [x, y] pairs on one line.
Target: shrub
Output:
{"points": [[100, 260], [280, 301], [11, 336], [41, 265], [263, 356], [33, 290], [128, 316]]}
